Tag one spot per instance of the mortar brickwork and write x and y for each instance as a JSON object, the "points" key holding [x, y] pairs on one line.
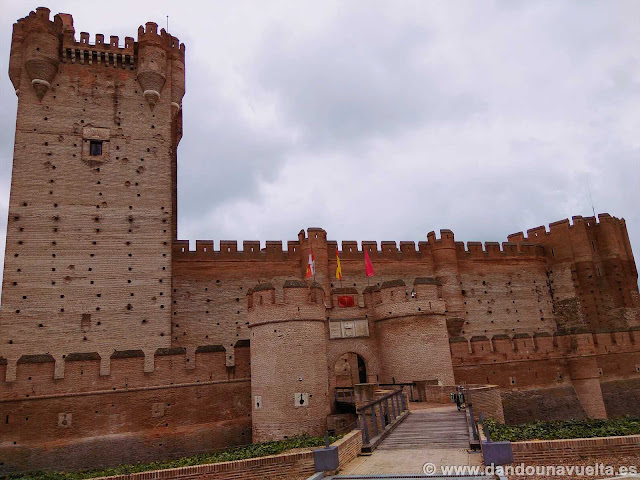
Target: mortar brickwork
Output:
{"points": [[101, 299]]}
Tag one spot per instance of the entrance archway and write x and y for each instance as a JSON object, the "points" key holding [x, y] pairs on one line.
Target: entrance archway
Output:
{"points": [[349, 369]]}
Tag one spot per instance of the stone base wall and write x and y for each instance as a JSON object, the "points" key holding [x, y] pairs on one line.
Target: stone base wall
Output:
{"points": [[553, 403], [622, 397]]}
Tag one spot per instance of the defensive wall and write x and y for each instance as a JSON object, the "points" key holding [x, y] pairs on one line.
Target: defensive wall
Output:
{"points": [[88, 419], [560, 376]]}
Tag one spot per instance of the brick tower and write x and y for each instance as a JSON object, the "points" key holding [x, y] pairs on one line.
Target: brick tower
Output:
{"points": [[412, 331], [93, 192], [289, 377]]}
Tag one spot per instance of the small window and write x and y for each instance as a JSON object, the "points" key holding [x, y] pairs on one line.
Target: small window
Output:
{"points": [[95, 148], [85, 322]]}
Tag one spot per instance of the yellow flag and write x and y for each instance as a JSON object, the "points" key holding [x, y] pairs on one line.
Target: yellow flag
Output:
{"points": [[339, 268]]}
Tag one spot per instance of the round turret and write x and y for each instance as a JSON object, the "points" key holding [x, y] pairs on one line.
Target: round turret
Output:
{"points": [[152, 62], [412, 332], [177, 75], [15, 60], [37, 43], [445, 262], [289, 377]]}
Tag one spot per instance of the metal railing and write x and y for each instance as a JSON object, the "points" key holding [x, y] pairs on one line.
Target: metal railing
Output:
{"points": [[401, 385], [345, 395], [474, 434], [374, 416]]}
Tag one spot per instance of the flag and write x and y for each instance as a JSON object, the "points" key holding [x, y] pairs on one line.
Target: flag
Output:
{"points": [[311, 266], [368, 265], [339, 268], [345, 301]]}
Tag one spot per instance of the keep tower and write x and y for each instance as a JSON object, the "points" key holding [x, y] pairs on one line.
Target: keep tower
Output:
{"points": [[93, 192]]}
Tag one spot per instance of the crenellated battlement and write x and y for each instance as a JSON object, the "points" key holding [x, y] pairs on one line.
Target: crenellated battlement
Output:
{"points": [[541, 345], [300, 302], [149, 33], [38, 21], [395, 299], [109, 365], [495, 250], [353, 250], [538, 234], [228, 250], [40, 45], [101, 53]]}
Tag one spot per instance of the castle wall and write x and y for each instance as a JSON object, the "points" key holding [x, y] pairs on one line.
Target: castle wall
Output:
{"points": [[86, 420], [560, 377], [116, 338], [592, 272], [510, 296], [210, 287]]}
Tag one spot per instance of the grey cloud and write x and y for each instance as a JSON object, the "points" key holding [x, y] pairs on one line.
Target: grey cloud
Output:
{"points": [[382, 121], [363, 77]]}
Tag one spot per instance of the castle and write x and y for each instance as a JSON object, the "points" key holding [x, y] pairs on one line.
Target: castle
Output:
{"points": [[120, 344]]}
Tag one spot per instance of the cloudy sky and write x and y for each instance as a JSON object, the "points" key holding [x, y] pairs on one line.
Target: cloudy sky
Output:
{"points": [[385, 120]]}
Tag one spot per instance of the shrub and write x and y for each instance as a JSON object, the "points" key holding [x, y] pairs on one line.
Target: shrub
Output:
{"points": [[555, 430], [227, 455]]}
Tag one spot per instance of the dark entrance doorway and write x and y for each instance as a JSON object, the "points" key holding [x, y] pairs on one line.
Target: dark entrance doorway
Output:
{"points": [[350, 369], [362, 370]]}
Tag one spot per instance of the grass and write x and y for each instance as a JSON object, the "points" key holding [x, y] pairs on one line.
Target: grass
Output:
{"points": [[556, 430], [230, 454]]}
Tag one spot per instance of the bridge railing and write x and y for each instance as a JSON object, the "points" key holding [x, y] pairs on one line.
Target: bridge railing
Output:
{"points": [[375, 416], [345, 395], [408, 388]]}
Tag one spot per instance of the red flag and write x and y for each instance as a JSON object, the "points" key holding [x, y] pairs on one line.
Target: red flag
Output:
{"points": [[345, 301], [368, 265]]}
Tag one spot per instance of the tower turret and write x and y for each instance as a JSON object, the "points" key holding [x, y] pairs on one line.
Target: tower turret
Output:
{"points": [[445, 262], [152, 61], [176, 58], [36, 42], [412, 332], [289, 377], [16, 58]]}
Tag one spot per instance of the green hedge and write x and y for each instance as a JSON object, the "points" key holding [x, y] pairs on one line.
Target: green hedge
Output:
{"points": [[555, 430], [227, 455]]}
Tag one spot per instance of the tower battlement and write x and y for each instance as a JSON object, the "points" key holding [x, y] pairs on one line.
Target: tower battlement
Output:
{"points": [[42, 44], [300, 302], [394, 299]]}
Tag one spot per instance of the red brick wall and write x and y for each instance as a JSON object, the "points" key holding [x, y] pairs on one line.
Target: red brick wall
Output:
{"points": [[486, 400], [560, 450], [622, 397], [414, 348], [541, 403], [539, 379], [102, 429], [89, 420], [592, 271]]}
